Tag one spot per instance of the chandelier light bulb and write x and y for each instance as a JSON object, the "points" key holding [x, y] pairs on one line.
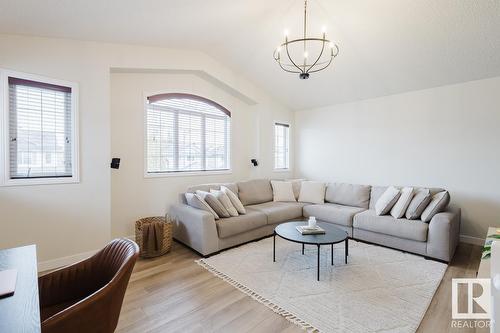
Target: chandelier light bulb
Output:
{"points": [[285, 32], [332, 45], [306, 54], [278, 49], [323, 29]]}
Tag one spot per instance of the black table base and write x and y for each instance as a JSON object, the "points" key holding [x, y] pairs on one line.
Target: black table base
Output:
{"points": [[346, 252]]}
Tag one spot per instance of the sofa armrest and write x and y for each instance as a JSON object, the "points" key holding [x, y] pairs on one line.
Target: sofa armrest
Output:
{"points": [[444, 234], [195, 227]]}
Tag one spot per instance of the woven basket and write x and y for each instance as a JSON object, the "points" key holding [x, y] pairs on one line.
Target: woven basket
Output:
{"points": [[167, 235]]}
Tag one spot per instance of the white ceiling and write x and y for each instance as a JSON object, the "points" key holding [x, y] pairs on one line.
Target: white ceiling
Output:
{"points": [[386, 46]]}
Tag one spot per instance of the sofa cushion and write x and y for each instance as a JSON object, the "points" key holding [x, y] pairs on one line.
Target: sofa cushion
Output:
{"points": [[438, 203], [418, 203], [387, 200], [230, 226], [225, 201], [216, 205], [234, 199], [212, 186], [333, 213], [283, 191], [194, 200], [296, 184], [375, 194], [388, 225], [399, 209], [312, 192], [348, 194], [279, 211], [377, 191], [255, 191]]}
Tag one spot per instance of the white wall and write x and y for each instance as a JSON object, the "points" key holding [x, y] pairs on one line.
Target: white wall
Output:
{"points": [[65, 220], [442, 137], [134, 196]]}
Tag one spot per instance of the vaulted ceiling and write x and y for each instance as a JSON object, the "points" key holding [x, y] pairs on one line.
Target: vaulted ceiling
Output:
{"points": [[386, 46]]}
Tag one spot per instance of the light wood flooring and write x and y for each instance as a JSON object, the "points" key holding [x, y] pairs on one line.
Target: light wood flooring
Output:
{"points": [[174, 294]]}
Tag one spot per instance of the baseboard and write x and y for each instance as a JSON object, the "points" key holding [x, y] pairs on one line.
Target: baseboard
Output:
{"points": [[472, 240], [64, 261]]}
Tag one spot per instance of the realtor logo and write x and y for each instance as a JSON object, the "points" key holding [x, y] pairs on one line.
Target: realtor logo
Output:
{"points": [[478, 295]]}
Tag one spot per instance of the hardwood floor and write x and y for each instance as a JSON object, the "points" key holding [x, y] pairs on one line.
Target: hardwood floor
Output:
{"points": [[174, 294]]}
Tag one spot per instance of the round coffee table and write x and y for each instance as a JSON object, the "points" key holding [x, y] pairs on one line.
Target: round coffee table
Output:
{"points": [[332, 235]]}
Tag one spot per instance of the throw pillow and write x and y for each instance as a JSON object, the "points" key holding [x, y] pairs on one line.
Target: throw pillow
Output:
{"points": [[438, 203], [399, 209], [225, 201], [213, 202], [282, 191], [387, 200], [296, 183], [418, 204], [234, 200], [196, 201], [312, 192]]}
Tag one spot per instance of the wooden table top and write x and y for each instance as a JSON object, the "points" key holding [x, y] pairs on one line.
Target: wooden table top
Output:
{"points": [[21, 312]]}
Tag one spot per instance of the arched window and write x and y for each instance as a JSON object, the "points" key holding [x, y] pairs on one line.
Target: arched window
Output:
{"points": [[186, 133]]}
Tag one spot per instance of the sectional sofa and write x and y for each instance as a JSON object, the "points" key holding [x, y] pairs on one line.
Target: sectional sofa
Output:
{"points": [[348, 206]]}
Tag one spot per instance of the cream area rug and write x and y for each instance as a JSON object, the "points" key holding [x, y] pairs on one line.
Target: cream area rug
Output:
{"points": [[379, 290]]}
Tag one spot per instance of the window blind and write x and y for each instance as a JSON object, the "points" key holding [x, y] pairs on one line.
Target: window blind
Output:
{"points": [[186, 134], [281, 146], [40, 130]]}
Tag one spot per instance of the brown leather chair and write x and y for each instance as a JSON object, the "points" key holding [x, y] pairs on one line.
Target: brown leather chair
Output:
{"points": [[88, 296]]}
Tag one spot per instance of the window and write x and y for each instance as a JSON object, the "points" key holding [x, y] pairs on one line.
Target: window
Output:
{"points": [[281, 146], [40, 130], [186, 133]]}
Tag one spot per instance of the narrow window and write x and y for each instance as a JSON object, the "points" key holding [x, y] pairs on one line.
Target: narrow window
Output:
{"points": [[281, 146]]}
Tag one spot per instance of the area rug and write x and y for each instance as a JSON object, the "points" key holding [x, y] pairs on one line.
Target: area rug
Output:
{"points": [[378, 290]]}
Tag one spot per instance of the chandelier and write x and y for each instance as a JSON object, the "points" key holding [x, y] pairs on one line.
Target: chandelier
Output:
{"points": [[314, 53]]}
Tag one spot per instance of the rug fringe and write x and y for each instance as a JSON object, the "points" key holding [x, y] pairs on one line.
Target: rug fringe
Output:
{"points": [[276, 308]]}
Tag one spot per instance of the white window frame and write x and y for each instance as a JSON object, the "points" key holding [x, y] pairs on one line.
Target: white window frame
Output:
{"points": [[5, 179], [168, 174], [288, 168]]}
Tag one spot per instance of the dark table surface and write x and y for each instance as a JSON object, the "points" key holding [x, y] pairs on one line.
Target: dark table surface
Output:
{"points": [[289, 231], [21, 312]]}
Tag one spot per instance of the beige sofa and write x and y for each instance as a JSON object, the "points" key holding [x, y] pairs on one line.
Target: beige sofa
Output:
{"points": [[348, 206]]}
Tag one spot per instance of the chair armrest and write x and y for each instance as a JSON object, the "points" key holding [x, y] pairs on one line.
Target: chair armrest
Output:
{"points": [[195, 228], [65, 284], [444, 234]]}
